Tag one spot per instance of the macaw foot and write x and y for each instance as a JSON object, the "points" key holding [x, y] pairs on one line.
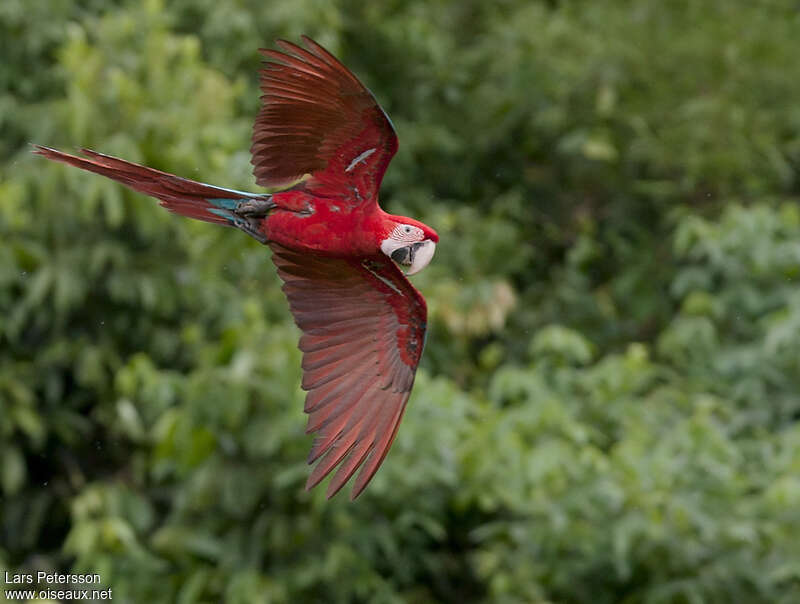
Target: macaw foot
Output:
{"points": [[248, 215], [251, 226], [258, 207]]}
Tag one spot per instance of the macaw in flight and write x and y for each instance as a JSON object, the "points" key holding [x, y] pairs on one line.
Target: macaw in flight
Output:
{"points": [[322, 137]]}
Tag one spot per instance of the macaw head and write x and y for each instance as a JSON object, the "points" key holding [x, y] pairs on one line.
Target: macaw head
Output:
{"points": [[409, 243]]}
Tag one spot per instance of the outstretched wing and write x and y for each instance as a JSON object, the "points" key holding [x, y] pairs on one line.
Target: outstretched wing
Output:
{"points": [[318, 119], [363, 328]]}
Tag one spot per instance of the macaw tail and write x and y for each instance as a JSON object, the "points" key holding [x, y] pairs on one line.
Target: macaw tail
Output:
{"points": [[179, 195]]}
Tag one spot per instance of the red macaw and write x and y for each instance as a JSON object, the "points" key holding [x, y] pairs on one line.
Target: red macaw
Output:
{"points": [[321, 136]]}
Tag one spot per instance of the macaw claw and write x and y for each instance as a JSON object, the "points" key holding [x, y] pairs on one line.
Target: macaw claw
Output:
{"points": [[255, 208]]}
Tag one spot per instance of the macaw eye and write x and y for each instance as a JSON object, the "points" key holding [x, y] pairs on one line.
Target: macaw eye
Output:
{"points": [[407, 229]]}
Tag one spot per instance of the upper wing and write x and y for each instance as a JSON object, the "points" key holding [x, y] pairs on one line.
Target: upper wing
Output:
{"points": [[363, 329], [318, 119]]}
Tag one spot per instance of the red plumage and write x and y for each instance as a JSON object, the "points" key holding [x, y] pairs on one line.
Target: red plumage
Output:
{"points": [[363, 323], [317, 119], [177, 194]]}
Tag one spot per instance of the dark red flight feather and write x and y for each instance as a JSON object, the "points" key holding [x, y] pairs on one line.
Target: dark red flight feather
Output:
{"points": [[318, 119], [177, 194], [363, 328]]}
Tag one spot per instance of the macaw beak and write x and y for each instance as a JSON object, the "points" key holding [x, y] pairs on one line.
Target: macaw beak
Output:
{"points": [[416, 256]]}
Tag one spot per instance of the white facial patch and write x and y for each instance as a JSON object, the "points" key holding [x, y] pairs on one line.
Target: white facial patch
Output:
{"points": [[407, 233], [390, 244]]}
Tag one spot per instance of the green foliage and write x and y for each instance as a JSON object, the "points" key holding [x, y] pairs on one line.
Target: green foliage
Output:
{"points": [[608, 405]]}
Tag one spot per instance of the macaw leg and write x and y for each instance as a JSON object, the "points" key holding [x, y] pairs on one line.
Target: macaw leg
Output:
{"points": [[256, 208], [250, 225], [248, 214]]}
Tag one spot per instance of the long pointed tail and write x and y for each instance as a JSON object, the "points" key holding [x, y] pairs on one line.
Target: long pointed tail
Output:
{"points": [[179, 195]]}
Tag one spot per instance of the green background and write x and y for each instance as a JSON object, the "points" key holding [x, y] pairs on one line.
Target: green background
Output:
{"points": [[607, 409]]}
